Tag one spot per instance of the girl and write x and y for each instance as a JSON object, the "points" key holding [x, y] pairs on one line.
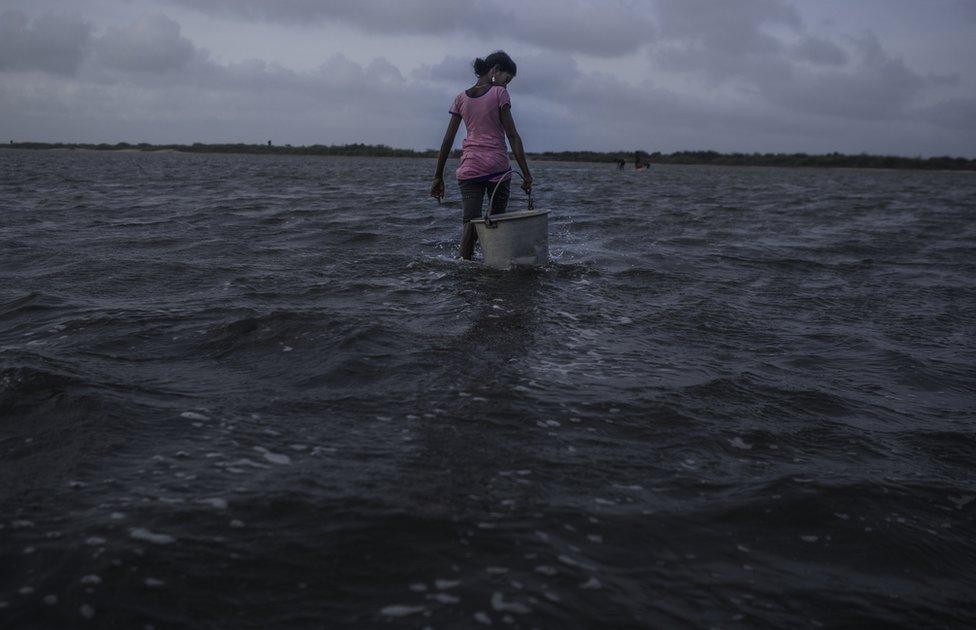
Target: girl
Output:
{"points": [[486, 111]]}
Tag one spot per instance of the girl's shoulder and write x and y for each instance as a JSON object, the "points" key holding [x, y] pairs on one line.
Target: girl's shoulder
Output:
{"points": [[475, 92]]}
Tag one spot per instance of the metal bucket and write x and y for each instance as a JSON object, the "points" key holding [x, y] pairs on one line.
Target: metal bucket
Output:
{"points": [[514, 238]]}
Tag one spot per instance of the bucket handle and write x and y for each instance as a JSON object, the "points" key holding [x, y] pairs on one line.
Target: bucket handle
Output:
{"points": [[491, 202]]}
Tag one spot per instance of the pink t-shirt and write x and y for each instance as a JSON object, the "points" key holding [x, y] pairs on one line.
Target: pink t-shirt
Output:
{"points": [[484, 154]]}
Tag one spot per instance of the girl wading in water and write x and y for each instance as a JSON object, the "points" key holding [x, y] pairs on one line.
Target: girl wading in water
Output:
{"points": [[486, 111]]}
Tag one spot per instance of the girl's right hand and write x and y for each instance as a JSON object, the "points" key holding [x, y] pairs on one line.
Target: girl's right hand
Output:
{"points": [[437, 189], [527, 185]]}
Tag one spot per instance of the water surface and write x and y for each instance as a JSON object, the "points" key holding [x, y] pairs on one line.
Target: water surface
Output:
{"points": [[260, 391]]}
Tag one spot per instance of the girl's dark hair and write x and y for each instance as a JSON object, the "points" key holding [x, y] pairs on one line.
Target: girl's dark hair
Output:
{"points": [[498, 58]]}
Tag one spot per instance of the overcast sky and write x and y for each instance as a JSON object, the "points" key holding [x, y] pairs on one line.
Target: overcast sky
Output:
{"points": [[881, 76]]}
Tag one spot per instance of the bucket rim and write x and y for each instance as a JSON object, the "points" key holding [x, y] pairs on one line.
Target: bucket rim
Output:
{"points": [[507, 216]]}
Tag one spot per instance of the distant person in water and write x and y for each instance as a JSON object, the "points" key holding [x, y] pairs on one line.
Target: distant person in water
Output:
{"points": [[486, 110], [621, 163], [638, 162]]}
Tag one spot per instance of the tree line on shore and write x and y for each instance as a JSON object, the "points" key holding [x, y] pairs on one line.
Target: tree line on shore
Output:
{"points": [[862, 160]]}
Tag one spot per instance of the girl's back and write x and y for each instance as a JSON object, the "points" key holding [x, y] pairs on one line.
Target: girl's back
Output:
{"points": [[483, 152]]}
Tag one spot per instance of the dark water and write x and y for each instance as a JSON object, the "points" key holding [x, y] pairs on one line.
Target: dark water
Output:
{"points": [[244, 391]]}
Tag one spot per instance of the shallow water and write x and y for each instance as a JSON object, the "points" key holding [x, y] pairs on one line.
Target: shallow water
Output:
{"points": [[259, 391]]}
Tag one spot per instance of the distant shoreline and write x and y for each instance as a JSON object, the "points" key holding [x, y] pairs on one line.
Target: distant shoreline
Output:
{"points": [[829, 160]]}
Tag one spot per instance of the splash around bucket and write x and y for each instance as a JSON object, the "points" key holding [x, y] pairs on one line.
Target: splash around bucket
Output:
{"points": [[513, 238]]}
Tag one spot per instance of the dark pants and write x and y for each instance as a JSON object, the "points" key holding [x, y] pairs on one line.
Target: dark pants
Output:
{"points": [[473, 197]]}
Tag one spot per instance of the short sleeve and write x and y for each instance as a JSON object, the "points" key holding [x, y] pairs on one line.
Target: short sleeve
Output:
{"points": [[503, 98], [456, 106]]}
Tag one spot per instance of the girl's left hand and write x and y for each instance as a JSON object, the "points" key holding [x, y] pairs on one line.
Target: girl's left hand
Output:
{"points": [[437, 189]]}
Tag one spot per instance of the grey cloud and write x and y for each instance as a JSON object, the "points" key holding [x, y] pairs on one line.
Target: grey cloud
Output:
{"points": [[153, 44], [454, 70], [954, 114], [601, 28], [249, 101], [876, 86], [819, 51], [726, 27], [770, 85], [595, 28], [720, 41], [50, 43], [793, 70]]}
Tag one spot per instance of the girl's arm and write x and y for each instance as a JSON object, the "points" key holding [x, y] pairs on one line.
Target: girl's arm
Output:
{"points": [[437, 188], [515, 140]]}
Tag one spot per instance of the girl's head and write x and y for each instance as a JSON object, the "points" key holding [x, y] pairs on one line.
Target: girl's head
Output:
{"points": [[498, 66]]}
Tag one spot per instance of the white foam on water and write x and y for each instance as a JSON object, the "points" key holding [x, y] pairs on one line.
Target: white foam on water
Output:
{"points": [[417, 587], [445, 584], [243, 462], [215, 502], [545, 569], [575, 563], [91, 579], [152, 582], [498, 603], [274, 458], [482, 618], [237, 524], [86, 611], [809, 539], [738, 442], [635, 487], [50, 600], [140, 533], [298, 447], [26, 590], [95, 540], [595, 538], [401, 610], [961, 501], [496, 570], [591, 583], [193, 415], [444, 598]]}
